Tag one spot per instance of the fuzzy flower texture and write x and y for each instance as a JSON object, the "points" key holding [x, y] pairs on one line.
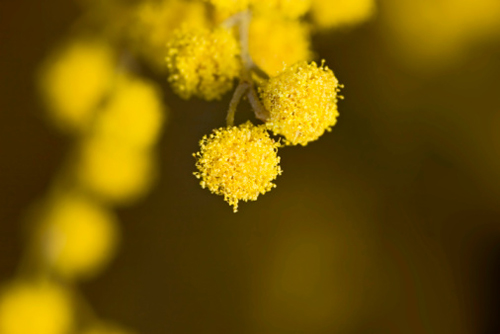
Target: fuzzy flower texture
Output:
{"points": [[302, 102], [239, 163], [202, 63]]}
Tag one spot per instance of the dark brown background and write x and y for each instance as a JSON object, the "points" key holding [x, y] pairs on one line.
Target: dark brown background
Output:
{"points": [[389, 224]]}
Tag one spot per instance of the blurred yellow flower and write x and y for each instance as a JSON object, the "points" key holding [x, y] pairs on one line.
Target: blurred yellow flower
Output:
{"points": [[229, 7], [75, 80], [78, 237], [287, 8], [302, 102], [133, 115], [29, 308], [202, 63], [276, 43], [153, 23], [114, 172], [335, 13], [239, 163]]}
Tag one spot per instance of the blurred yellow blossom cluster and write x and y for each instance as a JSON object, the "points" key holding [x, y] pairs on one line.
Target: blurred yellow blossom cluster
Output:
{"points": [[95, 93], [99, 89]]}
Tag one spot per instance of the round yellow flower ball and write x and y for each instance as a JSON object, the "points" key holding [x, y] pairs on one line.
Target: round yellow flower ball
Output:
{"points": [[202, 63], [35, 308], [114, 172], [78, 237], [302, 102], [238, 162], [133, 115], [75, 80]]}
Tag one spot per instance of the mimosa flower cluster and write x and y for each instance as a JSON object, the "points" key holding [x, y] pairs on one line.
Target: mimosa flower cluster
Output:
{"points": [[100, 88], [266, 46]]}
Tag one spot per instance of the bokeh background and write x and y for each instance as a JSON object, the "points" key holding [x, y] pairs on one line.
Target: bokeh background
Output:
{"points": [[388, 224]]}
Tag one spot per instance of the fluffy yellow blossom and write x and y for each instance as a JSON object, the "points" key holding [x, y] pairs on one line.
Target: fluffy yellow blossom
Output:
{"points": [[77, 236], [335, 13], [153, 23], [29, 308], [287, 8], [239, 163], [114, 172], [276, 43], [134, 113], [302, 102], [202, 63], [75, 80]]}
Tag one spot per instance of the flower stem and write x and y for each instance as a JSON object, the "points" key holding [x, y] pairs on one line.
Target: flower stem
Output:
{"points": [[233, 105], [258, 108], [246, 85]]}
